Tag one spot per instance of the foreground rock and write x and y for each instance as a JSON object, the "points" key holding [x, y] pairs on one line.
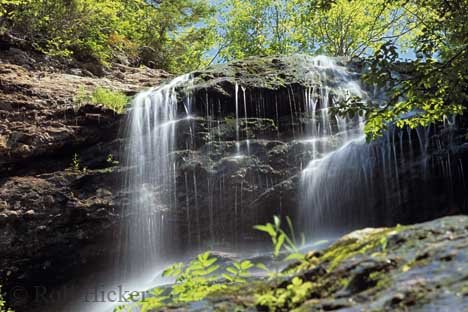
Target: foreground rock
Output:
{"points": [[422, 267]]}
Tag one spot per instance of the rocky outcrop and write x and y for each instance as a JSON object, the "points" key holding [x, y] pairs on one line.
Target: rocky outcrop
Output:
{"points": [[59, 181]]}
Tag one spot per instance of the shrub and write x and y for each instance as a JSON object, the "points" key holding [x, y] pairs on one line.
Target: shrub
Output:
{"points": [[114, 100], [105, 30]]}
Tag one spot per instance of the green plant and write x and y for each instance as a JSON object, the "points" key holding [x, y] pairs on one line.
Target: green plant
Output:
{"points": [[76, 164], [194, 281], [81, 97], [282, 241], [111, 161], [114, 100], [238, 272], [154, 301], [293, 294], [201, 277], [143, 32]]}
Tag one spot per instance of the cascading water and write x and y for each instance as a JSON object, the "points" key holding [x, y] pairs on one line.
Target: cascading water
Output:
{"points": [[349, 183], [150, 179], [333, 141], [196, 174]]}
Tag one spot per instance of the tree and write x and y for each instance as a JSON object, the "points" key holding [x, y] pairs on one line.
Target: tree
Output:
{"points": [[354, 28], [175, 34], [153, 33], [337, 28], [257, 27], [429, 89]]}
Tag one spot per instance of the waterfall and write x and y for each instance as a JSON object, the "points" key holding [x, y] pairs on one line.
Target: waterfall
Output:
{"points": [[149, 234], [349, 183], [150, 180], [199, 164], [335, 142]]}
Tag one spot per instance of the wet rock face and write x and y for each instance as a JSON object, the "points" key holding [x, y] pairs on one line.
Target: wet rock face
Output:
{"points": [[226, 194], [238, 158], [220, 196]]}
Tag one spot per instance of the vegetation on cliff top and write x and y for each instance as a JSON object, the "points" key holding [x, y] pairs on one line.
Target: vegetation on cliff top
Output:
{"points": [[183, 35], [154, 33]]}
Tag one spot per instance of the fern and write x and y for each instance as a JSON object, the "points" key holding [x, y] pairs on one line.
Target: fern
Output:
{"points": [[196, 280], [238, 272], [294, 293]]}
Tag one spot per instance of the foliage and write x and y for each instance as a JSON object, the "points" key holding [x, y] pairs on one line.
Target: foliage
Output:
{"points": [[280, 241], [76, 164], [111, 161], [256, 27], [295, 293], [114, 100], [238, 272], [154, 301], [430, 88], [341, 27], [157, 33], [81, 97], [194, 281], [145, 32], [202, 276]]}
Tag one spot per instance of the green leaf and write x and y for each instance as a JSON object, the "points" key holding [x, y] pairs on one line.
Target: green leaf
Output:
{"points": [[262, 266], [246, 264], [295, 256], [268, 228], [231, 270], [279, 244]]}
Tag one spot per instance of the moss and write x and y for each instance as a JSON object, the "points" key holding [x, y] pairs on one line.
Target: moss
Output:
{"points": [[360, 242], [381, 279], [418, 261]]}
